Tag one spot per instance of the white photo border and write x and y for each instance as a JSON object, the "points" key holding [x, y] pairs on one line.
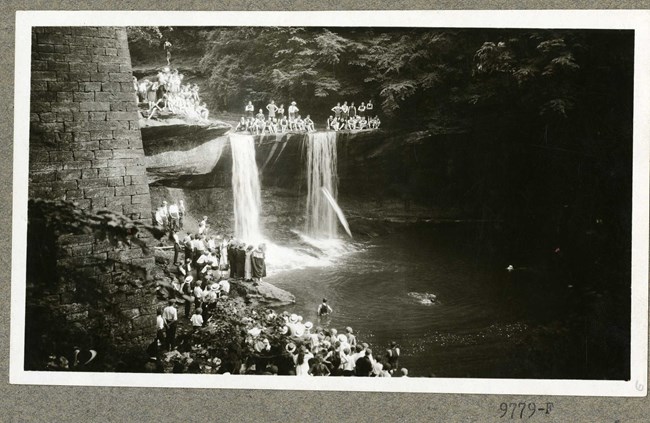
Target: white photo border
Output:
{"points": [[637, 20]]}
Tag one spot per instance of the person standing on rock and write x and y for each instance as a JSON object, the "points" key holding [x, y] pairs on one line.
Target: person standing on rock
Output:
{"points": [[272, 109], [241, 260], [249, 109], [173, 217], [258, 263], [293, 112], [223, 257], [168, 48], [203, 225], [170, 319], [181, 213], [232, 262], [186, 290], [248, 265], [177, 247]]}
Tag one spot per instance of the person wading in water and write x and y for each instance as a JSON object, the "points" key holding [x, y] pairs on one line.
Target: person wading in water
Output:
{"points": [[324, 309]]}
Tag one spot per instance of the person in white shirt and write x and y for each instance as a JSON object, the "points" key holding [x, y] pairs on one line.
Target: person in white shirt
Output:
{"points": [[224, 286], [198, 295], [197, 319], [170, 319], [293, 110], [160, 328], [181, 213], [203, 224], [173, 217]]}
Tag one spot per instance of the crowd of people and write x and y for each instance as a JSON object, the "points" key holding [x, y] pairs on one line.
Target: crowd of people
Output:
{"points": [[285, 345], [353, 118], [274, 121], [168, 93], [207, 263], [318, 351]]}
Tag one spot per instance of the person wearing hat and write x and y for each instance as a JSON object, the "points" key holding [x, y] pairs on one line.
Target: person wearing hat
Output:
{"points": [[224, 287], [293, 110], [186, 290]]}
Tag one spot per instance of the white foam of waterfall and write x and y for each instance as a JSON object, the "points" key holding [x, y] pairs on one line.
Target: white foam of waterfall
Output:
{"points": [[321, 173], [246, 189]]}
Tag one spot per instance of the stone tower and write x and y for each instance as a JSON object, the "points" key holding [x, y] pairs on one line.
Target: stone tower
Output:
{"points": [[85, 146]]}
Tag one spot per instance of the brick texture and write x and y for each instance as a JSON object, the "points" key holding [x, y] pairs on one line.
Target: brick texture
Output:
{"points": [[85, 146]]}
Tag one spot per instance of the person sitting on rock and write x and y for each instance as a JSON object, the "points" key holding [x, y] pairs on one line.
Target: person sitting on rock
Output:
{"points": [[300, 124], [268, 125], [342, 124], [309, 124], [363, 124], [260, 115], [284, 124], [329, 122], [352, 123], [242, 125], [203, 111]]}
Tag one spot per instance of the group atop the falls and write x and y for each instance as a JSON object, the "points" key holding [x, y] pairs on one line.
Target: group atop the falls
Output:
{"points": [[345, 118], [168, 94]]}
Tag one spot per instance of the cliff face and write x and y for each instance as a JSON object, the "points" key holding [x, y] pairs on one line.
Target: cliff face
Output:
{"points": [[382, 174]]}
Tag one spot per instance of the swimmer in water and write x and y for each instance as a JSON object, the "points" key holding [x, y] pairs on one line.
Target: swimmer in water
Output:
{"points": [[324, 309]]}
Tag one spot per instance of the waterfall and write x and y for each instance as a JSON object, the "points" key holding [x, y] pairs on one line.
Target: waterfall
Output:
{"points": [[245, 189], [321, 173]]}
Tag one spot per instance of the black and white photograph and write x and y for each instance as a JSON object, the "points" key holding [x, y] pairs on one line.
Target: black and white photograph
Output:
{"points": [[448, 207]]}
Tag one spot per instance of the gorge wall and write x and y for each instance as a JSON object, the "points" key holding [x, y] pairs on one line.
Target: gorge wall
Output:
{"points": [[85, 146], [382, 174]]}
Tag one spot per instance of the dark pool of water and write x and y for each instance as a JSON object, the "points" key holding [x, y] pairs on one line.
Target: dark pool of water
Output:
{"points": [[488, 322]]}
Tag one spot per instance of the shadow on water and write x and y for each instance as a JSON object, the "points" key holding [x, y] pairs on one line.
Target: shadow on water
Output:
{"points": [[540, 320]]}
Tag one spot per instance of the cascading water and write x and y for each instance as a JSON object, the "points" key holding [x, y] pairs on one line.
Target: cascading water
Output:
{"points": [[321, 173], [321, 236], [246, 189]]}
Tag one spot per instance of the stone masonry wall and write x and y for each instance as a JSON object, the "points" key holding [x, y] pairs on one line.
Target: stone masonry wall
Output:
{"points": [[85, 146]]}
